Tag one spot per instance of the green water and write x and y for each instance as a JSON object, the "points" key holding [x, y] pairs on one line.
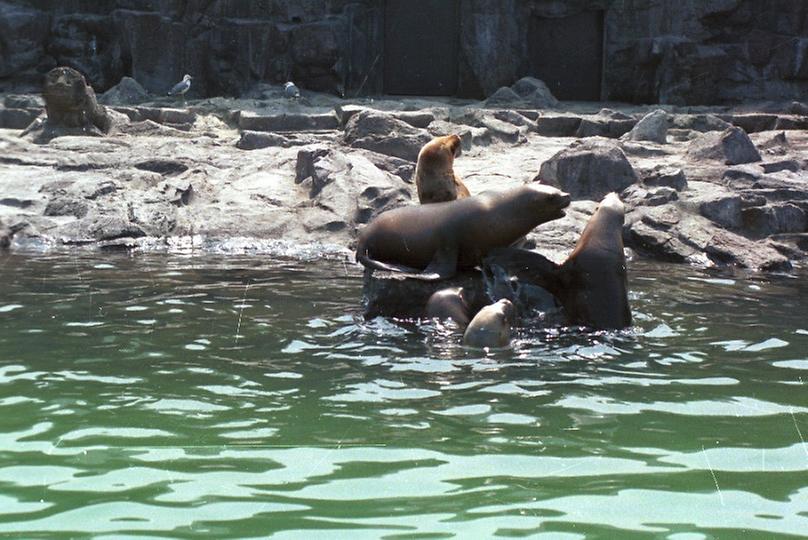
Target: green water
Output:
{"points": [[163, 396]]}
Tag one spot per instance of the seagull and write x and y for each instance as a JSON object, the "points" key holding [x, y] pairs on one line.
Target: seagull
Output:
{"points": [[181, 87], [291, 91]]}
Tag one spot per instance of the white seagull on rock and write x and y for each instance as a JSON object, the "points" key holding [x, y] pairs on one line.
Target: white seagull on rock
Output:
{"points": [[291, 91], [181, 87]]}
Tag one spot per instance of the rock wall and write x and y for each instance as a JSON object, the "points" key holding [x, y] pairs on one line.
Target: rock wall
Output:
{"points": [[654, 51]]}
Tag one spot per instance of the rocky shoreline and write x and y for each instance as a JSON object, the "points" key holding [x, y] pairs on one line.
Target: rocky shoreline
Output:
{"points": [[713, 186]]}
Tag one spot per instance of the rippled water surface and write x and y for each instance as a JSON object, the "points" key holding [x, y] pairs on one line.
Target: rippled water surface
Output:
{"points": [[234, 397]]}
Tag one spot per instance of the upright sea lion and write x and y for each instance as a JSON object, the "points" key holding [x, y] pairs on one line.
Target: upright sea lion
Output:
{"points": [[592, 283], [437, 239], [435, 178], [491, 327], [449, 303]]}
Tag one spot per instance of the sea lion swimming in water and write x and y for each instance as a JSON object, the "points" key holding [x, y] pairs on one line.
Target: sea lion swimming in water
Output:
{"points": [[433, 241], [491, 327], [592, 284], [449, 304], [435, 178]]}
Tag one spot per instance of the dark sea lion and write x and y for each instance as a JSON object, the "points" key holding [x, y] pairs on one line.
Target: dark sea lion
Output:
{"points": [[435, 178], [491, 327], [438, 239], [592, 283], [451, 304]]}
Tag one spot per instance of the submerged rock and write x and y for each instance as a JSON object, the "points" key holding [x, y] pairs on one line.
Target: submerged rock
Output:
{"points": [[388, 294]]}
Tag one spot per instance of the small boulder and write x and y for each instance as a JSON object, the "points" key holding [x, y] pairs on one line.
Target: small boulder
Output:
{"points": [[652, 127], [666, 177], [526, 92], [534, 92], [126, 92], [607, 123], [699, 122], [589, 169], [731, 146], [722, 208], [503, 96]]}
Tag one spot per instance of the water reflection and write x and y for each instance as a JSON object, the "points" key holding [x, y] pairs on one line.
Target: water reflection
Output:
{"points": [[238, 397]]}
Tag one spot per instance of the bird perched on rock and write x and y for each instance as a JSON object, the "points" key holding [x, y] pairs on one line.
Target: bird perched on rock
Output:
{"points": [[181, 87], [291, 91]]}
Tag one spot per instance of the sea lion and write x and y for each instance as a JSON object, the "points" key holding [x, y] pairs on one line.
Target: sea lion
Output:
{"points": [[592, 284], [438, 239], [435, 178], [491, 327], [5, 238], [451, 304]]}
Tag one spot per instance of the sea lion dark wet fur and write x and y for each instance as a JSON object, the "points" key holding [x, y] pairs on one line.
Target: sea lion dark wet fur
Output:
{"points": [[435, 240], [592, 284], [449, 304]]}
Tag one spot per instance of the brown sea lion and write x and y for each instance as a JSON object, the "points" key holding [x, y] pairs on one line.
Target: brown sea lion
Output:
{"points": [[438, 239], [435, 178], [491, 327], [592, 284], [450, 304]]}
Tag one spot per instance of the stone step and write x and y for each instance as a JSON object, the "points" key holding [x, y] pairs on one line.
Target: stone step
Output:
{"points": [[18, 118], [288, 122]]}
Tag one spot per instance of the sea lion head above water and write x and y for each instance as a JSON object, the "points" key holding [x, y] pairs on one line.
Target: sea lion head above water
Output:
{"points": [[449, 304], [491, 327], [594, 278], [435, 179]]}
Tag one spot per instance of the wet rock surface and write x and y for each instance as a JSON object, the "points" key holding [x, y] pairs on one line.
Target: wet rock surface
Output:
{"points": [[318, 171]]}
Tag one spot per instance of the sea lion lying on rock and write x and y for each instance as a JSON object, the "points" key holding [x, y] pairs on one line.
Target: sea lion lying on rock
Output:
{"points": [[435, 240], [491, 327], [592, 284], [435, 178]]}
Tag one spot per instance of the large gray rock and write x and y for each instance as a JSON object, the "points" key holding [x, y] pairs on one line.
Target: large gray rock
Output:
{"points": [[763, 221], [387, 294], [589, 169], [731, 147], [382, 133], [670, 234], [345, 190]]}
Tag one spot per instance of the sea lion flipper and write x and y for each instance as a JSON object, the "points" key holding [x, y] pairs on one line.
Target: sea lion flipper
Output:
{"points": [[367, 262], [443, 264]]}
